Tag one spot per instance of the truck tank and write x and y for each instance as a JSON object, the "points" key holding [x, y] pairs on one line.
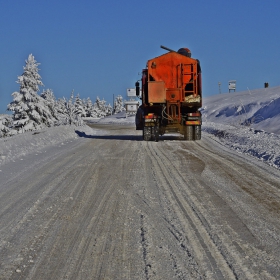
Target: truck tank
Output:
{"points": [[171, 96]]}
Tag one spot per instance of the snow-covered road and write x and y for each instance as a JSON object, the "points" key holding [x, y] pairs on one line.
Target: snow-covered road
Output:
{"points": [[107, 205]]}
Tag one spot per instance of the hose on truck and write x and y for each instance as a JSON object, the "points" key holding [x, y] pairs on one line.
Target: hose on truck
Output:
{"points": [[167, 116]]}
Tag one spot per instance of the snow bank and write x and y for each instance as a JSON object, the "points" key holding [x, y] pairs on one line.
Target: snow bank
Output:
{"points": [[120, 118], [19, 145], [247, 122], [255, 143], [12, 148], [256, 108]]}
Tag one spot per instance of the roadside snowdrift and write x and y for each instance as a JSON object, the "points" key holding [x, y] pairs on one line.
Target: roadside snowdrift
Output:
{"points": [[247, 122], [255, 108], [20, 145], [120, 118]]}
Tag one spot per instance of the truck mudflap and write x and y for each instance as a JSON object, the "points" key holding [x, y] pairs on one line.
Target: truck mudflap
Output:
{"points": [[151, 133], [151, 127]]}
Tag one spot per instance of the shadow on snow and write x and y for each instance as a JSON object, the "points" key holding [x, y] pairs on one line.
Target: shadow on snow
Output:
{"points": [[128, 137], [110, 137]]}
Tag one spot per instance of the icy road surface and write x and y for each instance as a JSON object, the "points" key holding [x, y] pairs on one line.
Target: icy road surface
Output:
{"points": [[111, 206]]}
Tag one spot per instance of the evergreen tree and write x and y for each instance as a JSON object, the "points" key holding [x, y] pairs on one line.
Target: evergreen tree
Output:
{"points": [[118, 106], [60, 107], [109, 110], [30, 110], [70, 109], [6, 126], [89, 108], [50, 101], [99, 107], [102, 106], [79, 107], [67, 111]]}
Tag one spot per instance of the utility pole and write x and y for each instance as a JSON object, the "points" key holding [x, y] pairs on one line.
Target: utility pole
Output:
{"points": [[113, 103], [219, 83]]}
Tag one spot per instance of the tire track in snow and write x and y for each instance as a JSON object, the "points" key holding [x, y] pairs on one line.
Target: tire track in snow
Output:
{"points": [[198, 231]]}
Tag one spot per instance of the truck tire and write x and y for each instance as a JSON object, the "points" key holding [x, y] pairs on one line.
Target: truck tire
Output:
{"points": [[189, 133], [147, 133], [156, 132], [197, 132]]}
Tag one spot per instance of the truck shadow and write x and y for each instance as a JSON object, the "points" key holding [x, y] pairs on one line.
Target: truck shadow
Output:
{"points": [[110, 137], [127, 137]]}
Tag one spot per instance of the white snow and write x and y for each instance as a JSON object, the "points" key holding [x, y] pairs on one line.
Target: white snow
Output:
{"points": [[120, 118], [247, 122], [35, 142]]}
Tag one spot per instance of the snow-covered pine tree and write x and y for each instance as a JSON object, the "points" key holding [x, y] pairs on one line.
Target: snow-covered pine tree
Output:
{"points": [[30, 110], [89, 108], [84, 103], [99, 108], [3, 128], [50, 101], [102, 105], [66, 111], [61, 109], [109, 110], [6, 126], [79, 107], [70, 109], [118, 106], [95, 109]]}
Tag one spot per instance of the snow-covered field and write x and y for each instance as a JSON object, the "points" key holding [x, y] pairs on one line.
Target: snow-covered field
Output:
{"points": [[247, 122]]}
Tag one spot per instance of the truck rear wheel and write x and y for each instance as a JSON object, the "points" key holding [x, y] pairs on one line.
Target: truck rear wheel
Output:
{"points": [[156, 132], [147, 133], [189, 133], [197, 132]]}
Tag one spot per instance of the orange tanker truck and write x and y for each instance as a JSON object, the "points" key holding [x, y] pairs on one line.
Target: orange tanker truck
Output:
{"points": [[171, 96]]}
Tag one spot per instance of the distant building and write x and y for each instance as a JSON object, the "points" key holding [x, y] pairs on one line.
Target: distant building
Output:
{"points": [[231, 85], [131, 105]]}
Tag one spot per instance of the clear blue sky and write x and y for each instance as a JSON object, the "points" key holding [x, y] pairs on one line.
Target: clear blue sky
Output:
{"points": [[98, 48]]}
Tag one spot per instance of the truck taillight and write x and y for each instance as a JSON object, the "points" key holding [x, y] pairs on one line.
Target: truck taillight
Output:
{"points": [[150, 116], [197, 114]]}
